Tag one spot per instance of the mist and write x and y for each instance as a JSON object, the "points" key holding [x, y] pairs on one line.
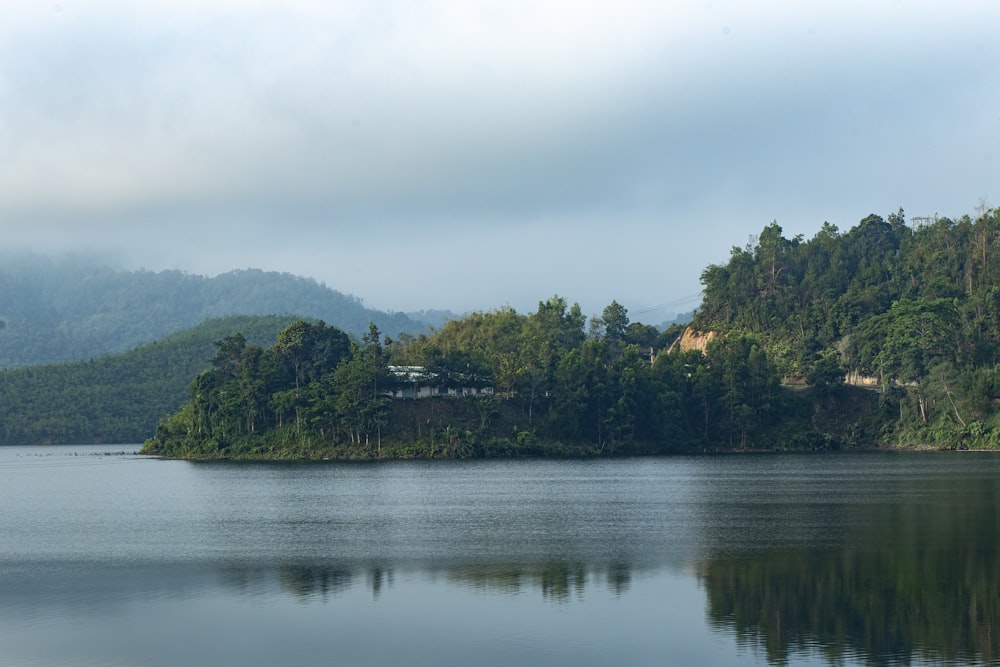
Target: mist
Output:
{"points": [[468, 156]]}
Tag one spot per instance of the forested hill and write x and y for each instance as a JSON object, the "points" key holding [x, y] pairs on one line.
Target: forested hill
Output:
{"points": [[77, 309], [117, 398], [914, 306]]}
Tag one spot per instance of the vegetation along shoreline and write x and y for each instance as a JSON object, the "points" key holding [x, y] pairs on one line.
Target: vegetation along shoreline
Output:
{"points": [[885, 336], [913, 309]]}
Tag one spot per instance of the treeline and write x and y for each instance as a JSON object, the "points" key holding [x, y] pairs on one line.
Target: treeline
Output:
{"points": [[914, 307], [562, 385], [75, 309], [116, 398]]}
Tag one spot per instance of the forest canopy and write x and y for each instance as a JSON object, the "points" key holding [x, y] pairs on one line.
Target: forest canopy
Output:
{"points": [[915, 307], [501, 383]]}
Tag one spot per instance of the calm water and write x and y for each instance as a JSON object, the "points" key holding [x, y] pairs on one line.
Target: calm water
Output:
{"points": [[112, 559]]}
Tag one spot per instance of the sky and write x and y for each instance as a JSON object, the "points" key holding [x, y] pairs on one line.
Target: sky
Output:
{"points": [[470, 155]]}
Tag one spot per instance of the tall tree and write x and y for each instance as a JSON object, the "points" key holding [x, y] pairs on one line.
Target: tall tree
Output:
{"points": [[615, 321]]}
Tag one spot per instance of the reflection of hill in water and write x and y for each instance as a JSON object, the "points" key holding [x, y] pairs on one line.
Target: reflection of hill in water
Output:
{"points": [[853, 603], [858, 603], [35, 586], [912, 580], [886, 604]]}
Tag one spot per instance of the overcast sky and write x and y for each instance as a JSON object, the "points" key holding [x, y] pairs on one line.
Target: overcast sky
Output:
{"points": [[469, 155]]}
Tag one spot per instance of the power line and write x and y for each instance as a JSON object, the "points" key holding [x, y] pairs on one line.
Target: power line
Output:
{"points": [[669, 304]]}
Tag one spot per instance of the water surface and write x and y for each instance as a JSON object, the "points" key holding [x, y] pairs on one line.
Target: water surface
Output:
{"points": [[107, 558]]}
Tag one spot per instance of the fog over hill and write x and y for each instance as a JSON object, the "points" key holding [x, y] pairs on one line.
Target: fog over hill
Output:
{"points": [[461, 154], [77, 307]]}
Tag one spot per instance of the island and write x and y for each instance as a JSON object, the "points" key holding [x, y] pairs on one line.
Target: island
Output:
{"points": [[882, 336]]}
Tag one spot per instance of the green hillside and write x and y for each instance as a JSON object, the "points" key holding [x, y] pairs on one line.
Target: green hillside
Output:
{"points": [[915, 308], [116, 398]]}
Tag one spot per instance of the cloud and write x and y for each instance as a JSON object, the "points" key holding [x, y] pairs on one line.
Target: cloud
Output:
{"points": [[586, 138]]}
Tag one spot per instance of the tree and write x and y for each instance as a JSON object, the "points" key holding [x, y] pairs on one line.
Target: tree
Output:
{"points": [[918, 335], [311, 350], [827, 373], [358, 407], [644, 336], [250, 387], [374, 354], [229, 355], [747, 385], [770, 255], [615, 321], [561, 323]]}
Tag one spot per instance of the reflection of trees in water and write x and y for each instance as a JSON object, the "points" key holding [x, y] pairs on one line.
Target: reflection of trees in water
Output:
{"points": [[308, 582], [377, 578], [322, 582], [916, 579], [557, 581], [858, 603]]}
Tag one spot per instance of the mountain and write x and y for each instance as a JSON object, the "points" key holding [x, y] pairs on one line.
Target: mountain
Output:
{"points": [[117, 398], [73, 309], [680, 318]]}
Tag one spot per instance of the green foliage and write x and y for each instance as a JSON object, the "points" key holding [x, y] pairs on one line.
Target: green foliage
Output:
{"points": [[117, 398], [905, 341], [918, 308], [827, 373], [615, 321], [558, 392]]}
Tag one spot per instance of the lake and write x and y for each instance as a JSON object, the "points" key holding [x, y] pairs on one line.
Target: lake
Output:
{"points": [[111, 559]]}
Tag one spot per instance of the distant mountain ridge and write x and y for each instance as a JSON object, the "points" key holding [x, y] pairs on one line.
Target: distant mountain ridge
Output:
{"points": [[71, 309]]}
